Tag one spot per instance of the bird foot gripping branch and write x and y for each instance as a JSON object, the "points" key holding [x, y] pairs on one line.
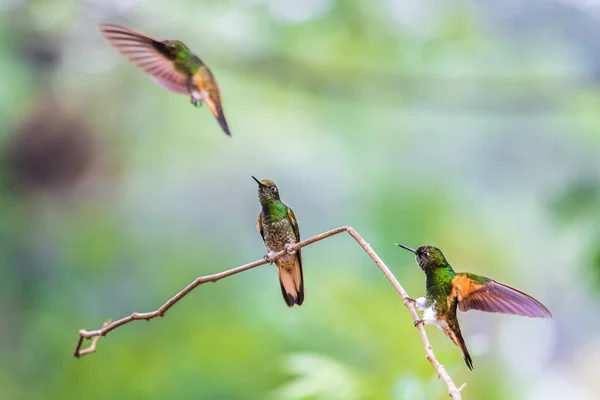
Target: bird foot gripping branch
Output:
{"points": [[269, 257], [448, 290], [288, 248], [108, 326], [279, 230]]}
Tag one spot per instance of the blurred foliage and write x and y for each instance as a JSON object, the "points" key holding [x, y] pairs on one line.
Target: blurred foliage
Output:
{"points": [[579, 200], [458, 124], [580, 203]]}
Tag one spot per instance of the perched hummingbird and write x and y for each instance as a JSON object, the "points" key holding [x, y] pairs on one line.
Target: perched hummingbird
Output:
{"points": [[446, 289], [171, 64], [278, 227]]}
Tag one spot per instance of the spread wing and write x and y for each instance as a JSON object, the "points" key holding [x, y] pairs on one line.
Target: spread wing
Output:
{"points": [[483, 294], [259, 226], [148, 54]]}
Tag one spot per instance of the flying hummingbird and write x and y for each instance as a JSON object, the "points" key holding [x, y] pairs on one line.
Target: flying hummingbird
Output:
{"points": [[278, 227], [446, 289], [171, 64]]}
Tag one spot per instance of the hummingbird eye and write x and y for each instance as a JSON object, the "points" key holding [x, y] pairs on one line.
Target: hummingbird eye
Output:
{"points": [[273, 189], [426, 253]]}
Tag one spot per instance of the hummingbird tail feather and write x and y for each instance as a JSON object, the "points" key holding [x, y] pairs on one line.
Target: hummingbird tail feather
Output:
{"points": [[292, 284], [454, 333], [465, 352], [217, 110]]}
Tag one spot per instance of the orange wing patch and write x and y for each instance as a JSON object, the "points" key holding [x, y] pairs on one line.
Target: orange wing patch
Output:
{"points": [[259, 225], [291, 217], [495, 297], [462, 287]]}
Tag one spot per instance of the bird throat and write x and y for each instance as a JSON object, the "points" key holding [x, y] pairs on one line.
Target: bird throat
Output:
{"points": [[274, 210]]}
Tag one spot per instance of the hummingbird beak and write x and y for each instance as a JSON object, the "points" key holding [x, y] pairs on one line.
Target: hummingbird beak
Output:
{"points": [[257, 181], [406, 248]]}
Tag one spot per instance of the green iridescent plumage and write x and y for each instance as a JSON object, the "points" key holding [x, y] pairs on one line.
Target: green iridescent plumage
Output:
{"points": [[278, 227], [183, 59], [446, 290], [272, 207], [172, 64]]}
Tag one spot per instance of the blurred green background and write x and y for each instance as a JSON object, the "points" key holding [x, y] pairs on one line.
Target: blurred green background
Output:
{"points": [[473, 126]]}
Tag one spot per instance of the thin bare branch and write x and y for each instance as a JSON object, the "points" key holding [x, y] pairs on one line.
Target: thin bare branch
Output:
{"points": [[92, 347], [110, 325]]}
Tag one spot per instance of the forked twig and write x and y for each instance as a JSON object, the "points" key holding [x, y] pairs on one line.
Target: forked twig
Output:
{"points": [[110, 325]]}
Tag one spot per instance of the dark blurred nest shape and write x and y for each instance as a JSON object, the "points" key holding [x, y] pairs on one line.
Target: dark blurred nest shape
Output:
{"points": [[51, 151]]}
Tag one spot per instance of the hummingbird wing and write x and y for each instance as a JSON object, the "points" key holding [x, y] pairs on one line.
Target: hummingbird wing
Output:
{"points": [[300, 281], [292, 219], [148, 54], [479, 293]]}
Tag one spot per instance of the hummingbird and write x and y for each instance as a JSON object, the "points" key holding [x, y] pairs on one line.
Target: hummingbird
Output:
{"points": [[278, 227], [171, 64], [446, 289]]}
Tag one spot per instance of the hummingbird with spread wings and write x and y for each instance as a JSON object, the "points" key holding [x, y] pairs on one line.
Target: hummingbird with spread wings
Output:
{"points": [[172, 65], [447, 290], [278, 227]]}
